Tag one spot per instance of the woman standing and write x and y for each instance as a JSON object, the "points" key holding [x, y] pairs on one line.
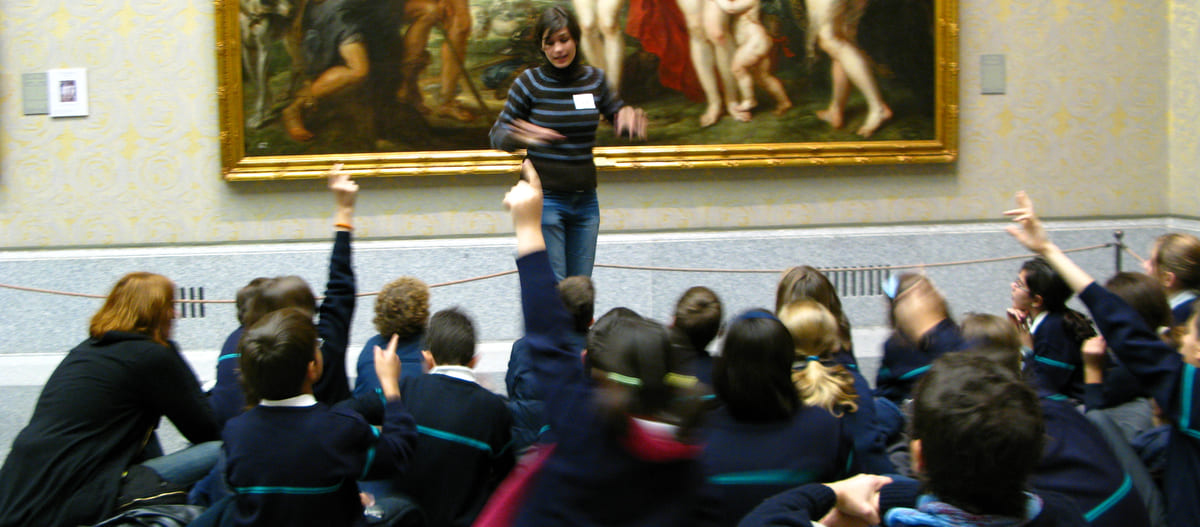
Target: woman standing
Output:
{"points": [[553, 111], [99, 409]]}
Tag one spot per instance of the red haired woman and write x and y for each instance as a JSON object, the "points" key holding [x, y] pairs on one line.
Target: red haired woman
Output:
{"points": [[98, 411]]}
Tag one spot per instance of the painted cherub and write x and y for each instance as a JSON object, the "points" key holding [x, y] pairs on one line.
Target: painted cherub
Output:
{"points": [[752, 61]]}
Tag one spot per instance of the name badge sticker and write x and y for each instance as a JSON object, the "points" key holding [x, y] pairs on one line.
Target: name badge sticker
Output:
{"points": [[585, 101]]}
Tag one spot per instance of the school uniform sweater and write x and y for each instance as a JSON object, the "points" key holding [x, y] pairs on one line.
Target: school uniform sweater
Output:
{"points": [[870, 442], [335, 316], [226, 396], [701, 362], [412, 363], [570, 101], [525, 395], [1056, 364], [298, 465], [592, 478], [745, 463], [806, 504], [1171, 382], [91, 422], [903, 362], [1078, 463], [463, 448]]}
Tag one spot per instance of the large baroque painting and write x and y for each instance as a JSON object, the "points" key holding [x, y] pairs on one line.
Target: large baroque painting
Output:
{"points": [[411, 87]]}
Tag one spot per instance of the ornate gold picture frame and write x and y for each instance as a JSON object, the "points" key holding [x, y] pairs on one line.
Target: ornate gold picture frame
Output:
{"points": [[403, 118]]}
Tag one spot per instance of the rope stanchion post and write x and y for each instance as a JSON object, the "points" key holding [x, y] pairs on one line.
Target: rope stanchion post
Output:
{"points": [[1119, 235]]}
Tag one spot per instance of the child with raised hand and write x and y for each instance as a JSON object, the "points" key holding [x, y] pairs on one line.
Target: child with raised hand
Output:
{"points": [[292, 460], [1169, 376], [1039, 307], [622, 456], [334, 314]]}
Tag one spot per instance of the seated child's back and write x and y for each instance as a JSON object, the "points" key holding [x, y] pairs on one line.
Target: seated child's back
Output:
{"points": [[293, 461]]}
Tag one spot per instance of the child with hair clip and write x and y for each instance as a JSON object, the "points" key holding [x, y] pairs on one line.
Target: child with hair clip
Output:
{"points": [[1170, 376], [824, 382], [806, 282], [1175, 262], [763, 439], [696, 323], [923, 332], [1039, 307], [623, 419]]}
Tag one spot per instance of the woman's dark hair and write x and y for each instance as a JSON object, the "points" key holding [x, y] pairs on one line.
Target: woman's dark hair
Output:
{"points": [[753, 374], [275, 353], [805, 282], [277, 293], [552, 20], [639, 373], [1042, 280], [981, 433]]}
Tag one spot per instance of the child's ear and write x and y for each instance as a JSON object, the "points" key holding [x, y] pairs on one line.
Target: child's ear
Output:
{"points": [[1037, 301], [917, 456], [316, 367], [1169, 279], [474, 360], [429, 364]]}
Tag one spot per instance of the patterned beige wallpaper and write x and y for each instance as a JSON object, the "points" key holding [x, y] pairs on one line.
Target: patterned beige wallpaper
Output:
{"points": [[1184, 107], [1083, 126]]}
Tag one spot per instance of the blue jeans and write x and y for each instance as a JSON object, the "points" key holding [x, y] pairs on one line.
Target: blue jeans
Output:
{"points": [[186, 466], [570, 225]]}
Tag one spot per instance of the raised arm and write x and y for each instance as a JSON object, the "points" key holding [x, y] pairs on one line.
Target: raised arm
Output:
{"points": [[337, 310], [1151, 360], [556, 367], [1032, 235]]}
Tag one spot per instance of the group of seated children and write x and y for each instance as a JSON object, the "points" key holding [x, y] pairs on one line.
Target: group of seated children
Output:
{"points": [[627, 421]]}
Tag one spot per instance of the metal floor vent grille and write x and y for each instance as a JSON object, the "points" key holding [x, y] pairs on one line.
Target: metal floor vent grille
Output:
{"points": [[861, 280], [190, 309]]}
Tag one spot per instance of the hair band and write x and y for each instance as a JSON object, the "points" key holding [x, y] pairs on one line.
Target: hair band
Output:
{"points": [[623, 379], [755, 313], [891, 286], [680, 381], [797, 366]]}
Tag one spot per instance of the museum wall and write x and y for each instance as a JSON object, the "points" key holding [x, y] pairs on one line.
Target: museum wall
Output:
{"points": [[1092, 93]]}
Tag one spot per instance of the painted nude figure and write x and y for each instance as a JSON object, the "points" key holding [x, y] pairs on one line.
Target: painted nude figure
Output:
{"points": [[833, 25], [602, 40], [751, 61]]}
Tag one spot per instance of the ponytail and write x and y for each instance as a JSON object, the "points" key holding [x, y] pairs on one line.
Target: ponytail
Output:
{"points": [[826, 386]]}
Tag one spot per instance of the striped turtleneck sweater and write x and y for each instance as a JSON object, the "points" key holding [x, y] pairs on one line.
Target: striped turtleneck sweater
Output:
{"points": [[569, 101]]}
